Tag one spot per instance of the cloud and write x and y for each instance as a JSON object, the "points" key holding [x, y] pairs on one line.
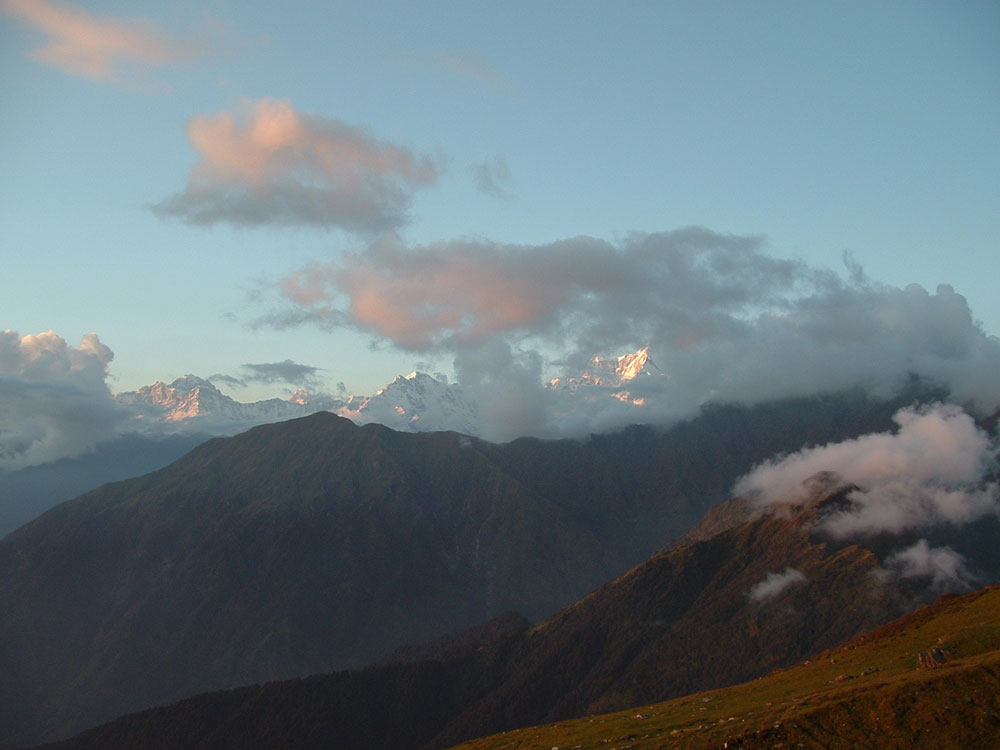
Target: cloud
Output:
{"points": [[724, 320], [774, 583], [279, 166], [945, 568], [281, 372], [494, 178], [229, 380], [503, 383], [99, 49], [54, 401], [682, 287], [931, 471], [467, 64]]}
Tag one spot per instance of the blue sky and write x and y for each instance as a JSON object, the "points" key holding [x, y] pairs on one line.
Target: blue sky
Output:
{"points": [[871, 128]]}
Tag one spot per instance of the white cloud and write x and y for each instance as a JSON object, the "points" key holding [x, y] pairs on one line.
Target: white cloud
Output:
{"points": [[54, 402], [280, 166], [931, 471], [945, 568], [774, 583]]}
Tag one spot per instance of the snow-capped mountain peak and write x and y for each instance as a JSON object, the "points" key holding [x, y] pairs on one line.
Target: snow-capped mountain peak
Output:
{"points": [[631, 366], [417, 402], [614, 373], [193, 404]]}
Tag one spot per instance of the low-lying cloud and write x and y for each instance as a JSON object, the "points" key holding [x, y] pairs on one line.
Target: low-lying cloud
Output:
{"points": [[275, 165], [54, 400], [101, 49], [775, 583], [724, 320], [944, 568], [932, 470]]}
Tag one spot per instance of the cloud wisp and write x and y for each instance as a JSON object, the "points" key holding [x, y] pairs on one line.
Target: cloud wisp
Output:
{"points": [[275, 165], [775, 583], [467, 64], [54, 400], [494, 179], [102, 49], [290, 372], [933, 470], [943, 567]]}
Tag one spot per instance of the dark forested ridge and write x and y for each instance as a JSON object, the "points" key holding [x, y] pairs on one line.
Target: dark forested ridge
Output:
{"points": [[315, 545]]}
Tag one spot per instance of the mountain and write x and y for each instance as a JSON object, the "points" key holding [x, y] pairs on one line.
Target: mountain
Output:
{"points": [[191, 404], [26, 493], [191, 409], [687, 620], [616, 375], [416, 403], [928, 679], [314, 544], [162, 423]]}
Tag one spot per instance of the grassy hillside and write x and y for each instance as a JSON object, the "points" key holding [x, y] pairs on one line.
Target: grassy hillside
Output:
{"points": [[871, 692]]}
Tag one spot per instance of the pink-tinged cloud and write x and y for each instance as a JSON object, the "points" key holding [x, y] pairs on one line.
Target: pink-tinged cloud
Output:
{"points": [[467, 298], [95, 48], [461, 293], [275, 165]]}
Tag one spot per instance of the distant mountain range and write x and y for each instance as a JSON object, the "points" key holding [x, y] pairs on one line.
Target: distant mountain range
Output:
{"points": [[413, 403], [192, 404], [315, 544], [164, 420]]}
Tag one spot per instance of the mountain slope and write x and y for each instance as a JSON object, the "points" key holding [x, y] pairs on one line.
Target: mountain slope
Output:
{"points": [[929, 679], [684, 620], [27, 493], [316, 545]]}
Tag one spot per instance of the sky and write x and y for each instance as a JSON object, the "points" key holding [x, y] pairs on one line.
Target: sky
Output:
{"points": [[355, 190]]}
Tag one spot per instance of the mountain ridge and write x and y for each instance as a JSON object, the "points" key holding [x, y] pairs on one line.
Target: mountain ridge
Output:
{"points": [[650, 634], [211, 569]]}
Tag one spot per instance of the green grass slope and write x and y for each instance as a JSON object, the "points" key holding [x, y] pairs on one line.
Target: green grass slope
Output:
{"points": [[872, 692]]}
